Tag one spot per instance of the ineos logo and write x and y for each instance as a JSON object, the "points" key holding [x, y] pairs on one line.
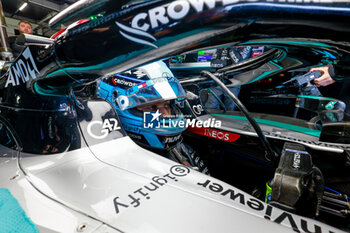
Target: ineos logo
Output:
{"points": [[198, 109], [217, 134], [108, 125]]}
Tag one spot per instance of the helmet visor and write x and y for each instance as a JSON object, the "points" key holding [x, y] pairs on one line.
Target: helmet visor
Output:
{"points": [[151, 91]]}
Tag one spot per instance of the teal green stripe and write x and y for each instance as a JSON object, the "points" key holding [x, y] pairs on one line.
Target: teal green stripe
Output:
{"points": [[48, 93], [296, 128], [286, 42], [314, 97], [189, 67]]}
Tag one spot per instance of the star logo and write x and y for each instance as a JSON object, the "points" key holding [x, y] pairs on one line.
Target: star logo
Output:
{"points": [[151, 119], [156, 115]]}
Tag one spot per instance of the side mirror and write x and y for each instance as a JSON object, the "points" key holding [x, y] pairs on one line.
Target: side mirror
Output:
{"points": [[338, 132]]}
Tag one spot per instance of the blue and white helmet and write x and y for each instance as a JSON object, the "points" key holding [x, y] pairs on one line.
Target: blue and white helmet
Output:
{"points": [[145, 99]]}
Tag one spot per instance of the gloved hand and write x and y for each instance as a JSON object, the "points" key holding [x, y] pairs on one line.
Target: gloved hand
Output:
{"points": [[326, 78]]}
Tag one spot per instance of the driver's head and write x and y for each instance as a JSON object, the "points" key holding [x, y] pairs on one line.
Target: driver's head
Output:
{"points": [[141, 97], [148, 88], [25, 27], [164, 108]]}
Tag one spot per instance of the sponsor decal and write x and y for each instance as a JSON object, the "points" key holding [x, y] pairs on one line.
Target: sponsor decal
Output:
{"points": [[135, 136], [173, 139], [297, 223], [170, 141], [159, 16], [169, 77], [22, 70], [153, 120], [123, 82], [132, 128], [214, 133], [135, 73], [197, 109], [103, 128], [257, 51], [296, 161], [137, 197], [177, 10], [133, 34], [139, 137], [296, 157]]}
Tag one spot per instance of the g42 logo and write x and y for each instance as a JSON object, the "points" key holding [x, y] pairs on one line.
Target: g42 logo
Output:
{"points": [[100, 130]]}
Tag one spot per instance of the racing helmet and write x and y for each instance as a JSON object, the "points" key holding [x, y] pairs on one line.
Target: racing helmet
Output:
{"points": [[146, 100]]}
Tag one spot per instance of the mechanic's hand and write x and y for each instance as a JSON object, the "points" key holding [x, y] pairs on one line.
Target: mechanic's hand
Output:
{"points": [[325, 79]]}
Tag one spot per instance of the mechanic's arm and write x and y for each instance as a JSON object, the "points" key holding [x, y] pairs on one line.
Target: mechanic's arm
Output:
{"points": [[327, 75]]}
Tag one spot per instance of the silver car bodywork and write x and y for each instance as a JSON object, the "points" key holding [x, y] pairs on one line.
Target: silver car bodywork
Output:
{"points": [[119, 187]]}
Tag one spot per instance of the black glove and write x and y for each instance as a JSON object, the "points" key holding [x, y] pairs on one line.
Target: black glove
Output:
{"points": [[221, 58], [227, 56]]}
